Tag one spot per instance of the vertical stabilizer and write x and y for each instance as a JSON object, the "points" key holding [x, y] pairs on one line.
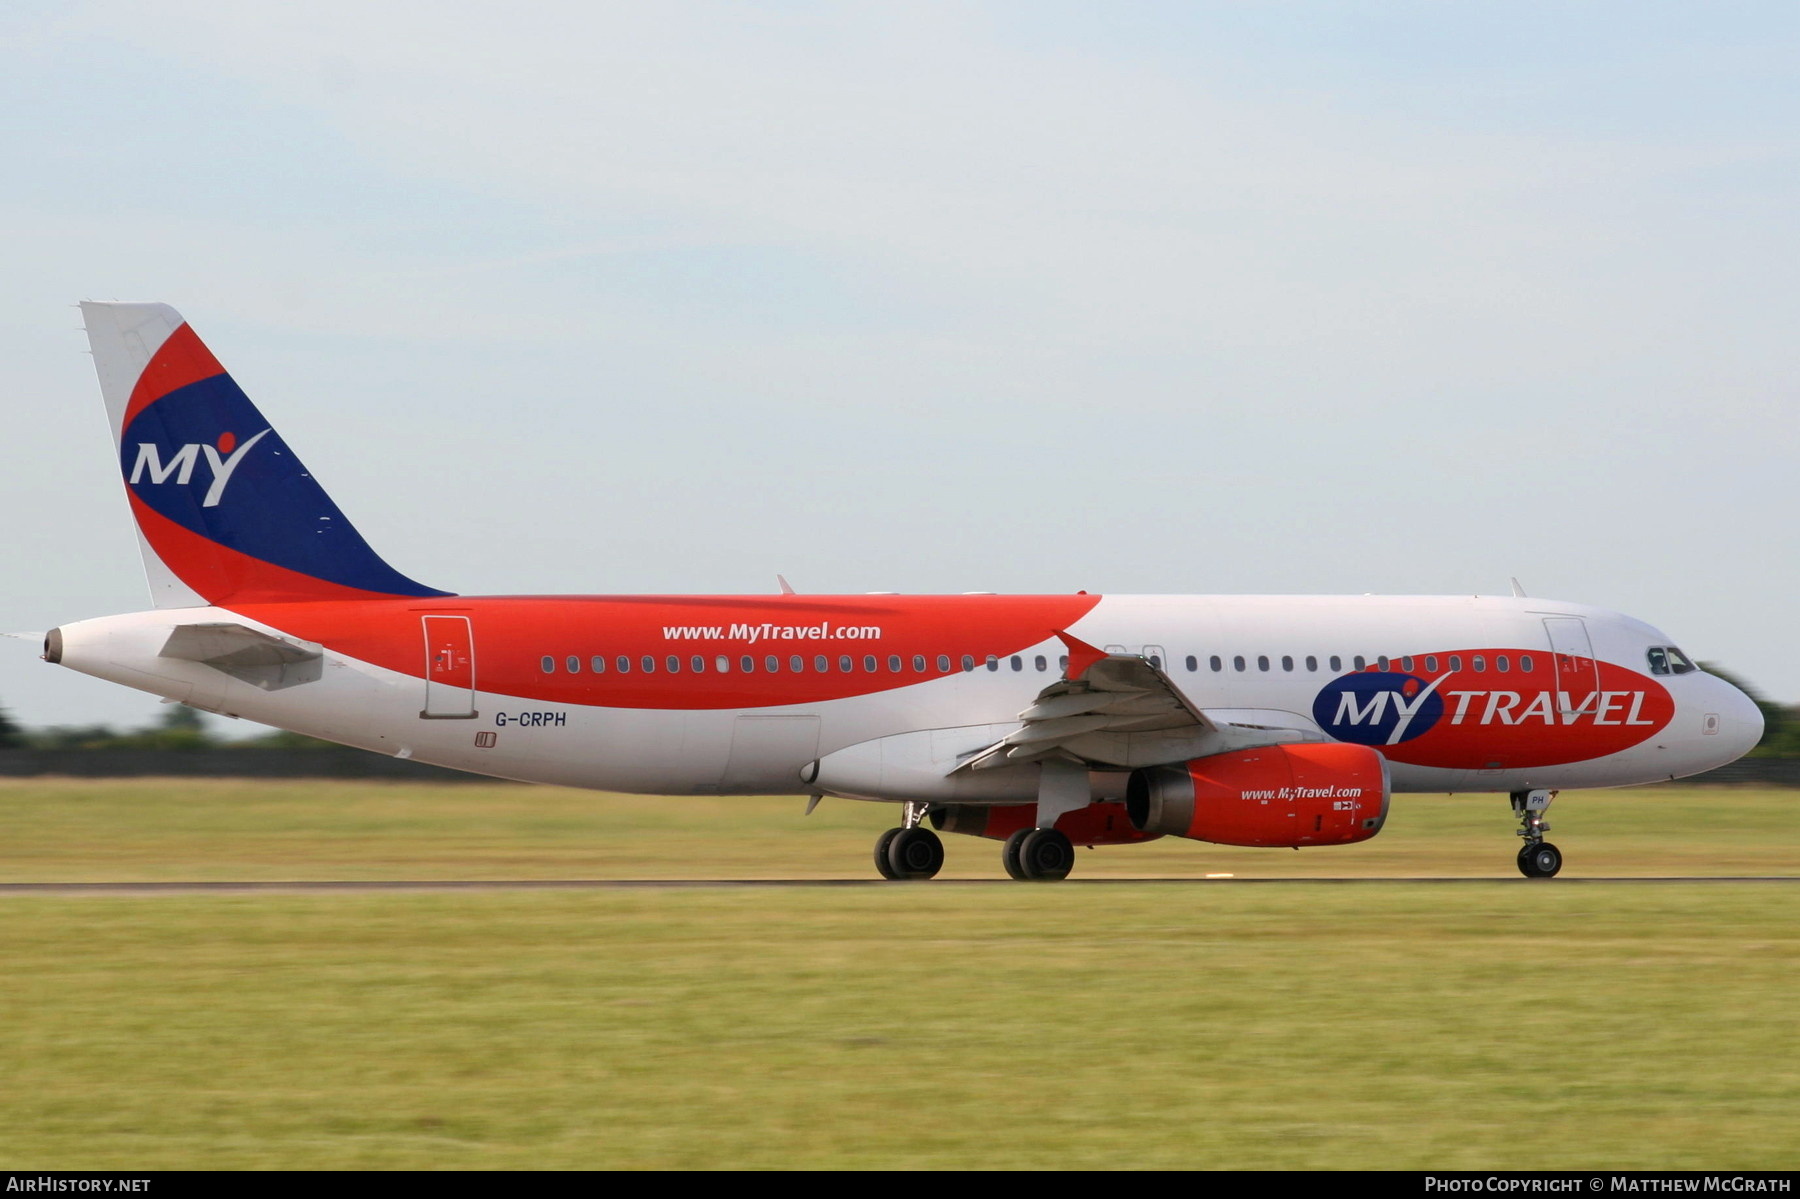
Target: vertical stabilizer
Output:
{"points": [[224, 509]]}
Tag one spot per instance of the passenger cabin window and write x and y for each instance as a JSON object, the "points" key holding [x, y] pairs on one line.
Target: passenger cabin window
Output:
{"points": [[698, 663], [821, 663], [1501, 664], [1216, 662], [1192, 663], [722, 664], [1525, 663], [747, 664], [1062, 663], [796, 663], [870, 666], [1018, 663], [968, 662], [648, 663], [1381, 663], [1312, 662], [1287, 662], [1337, 663], [674, 664], [944, 662], [1455, 661], [1237, 662], [993, 663], [597, 664], [918, 663], [845, 665], [1361, 662], [1262, 661], [1479, 663], [623, 663], [1406, 663], [1430, 663], [548, 663], [1041, 665], [572, 664]]}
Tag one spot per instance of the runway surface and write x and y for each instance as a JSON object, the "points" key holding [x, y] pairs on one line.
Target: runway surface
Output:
{"points": [[227, 888]]}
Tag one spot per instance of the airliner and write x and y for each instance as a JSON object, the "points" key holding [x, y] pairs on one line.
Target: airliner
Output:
{"points": [[1041, 722]]}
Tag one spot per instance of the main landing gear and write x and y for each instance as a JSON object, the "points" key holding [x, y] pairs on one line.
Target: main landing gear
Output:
{"points": [[913, 851], [909, 851], [1038, 855], [1537, 857]]}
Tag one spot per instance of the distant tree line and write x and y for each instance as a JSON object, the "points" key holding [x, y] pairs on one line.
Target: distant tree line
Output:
{"points": [[181, 728]]}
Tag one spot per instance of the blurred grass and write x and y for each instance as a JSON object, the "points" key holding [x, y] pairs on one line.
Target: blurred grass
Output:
{"points": [[259, 830], [1393, 1025]]}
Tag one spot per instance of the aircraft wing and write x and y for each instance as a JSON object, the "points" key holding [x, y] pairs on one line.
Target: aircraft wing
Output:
{"points": [[260, 659], [1121, 710]]}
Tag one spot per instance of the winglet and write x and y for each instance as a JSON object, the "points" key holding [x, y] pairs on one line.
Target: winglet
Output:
{"points": [[787, 588], [1081, 655], [1518, 591]]}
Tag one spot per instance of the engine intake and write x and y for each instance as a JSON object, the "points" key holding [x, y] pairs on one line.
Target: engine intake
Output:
{"points": [[1277, 795]]}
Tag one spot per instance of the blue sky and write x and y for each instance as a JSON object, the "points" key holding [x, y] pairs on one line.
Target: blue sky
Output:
{"points": [[1142, 298]]}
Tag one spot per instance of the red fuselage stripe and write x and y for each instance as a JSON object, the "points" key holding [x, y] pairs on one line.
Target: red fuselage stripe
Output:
{"points": [[512, 636]]}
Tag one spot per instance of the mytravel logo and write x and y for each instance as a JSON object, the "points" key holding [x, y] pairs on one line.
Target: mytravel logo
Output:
{"points": [[222, 460], [754, 633], [1479, 718], [1379, 707]]}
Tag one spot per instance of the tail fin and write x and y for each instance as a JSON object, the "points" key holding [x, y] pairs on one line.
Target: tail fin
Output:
{"points": [[224, 509]]}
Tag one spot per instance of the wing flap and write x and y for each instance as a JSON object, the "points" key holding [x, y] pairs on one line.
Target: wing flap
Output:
{"points": [[1123, 711]]}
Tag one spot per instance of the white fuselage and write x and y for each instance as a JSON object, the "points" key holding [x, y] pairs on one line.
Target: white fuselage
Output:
{"points": [[1248, 661]]}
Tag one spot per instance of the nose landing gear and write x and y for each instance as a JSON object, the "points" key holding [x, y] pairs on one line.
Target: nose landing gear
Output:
{"points": [[1537, 857]]}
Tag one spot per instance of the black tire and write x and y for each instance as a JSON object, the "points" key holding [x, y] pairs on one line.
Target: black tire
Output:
{"points": [[1046, 855], [1009, 855], [1542, 860], [881, 853], [915, 853]]}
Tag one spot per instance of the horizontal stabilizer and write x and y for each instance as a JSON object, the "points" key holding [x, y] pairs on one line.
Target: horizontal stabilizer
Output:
{"points": [[260, 659]]}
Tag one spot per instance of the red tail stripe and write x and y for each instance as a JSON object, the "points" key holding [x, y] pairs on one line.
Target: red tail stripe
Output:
{"points": [[220, 574], [183, 359]]}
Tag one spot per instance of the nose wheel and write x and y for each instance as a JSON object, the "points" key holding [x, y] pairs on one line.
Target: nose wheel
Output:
{"points": [[1537, 857], [1542, 860]]}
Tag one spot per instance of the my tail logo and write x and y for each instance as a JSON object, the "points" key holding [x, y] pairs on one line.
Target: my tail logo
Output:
{"points": [[222, 460]]}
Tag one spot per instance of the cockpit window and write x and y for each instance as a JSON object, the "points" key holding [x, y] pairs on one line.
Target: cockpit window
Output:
{"points": [[1666, 659]]}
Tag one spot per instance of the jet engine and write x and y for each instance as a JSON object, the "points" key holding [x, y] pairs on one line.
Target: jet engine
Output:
{"points": [[1286, 795]]}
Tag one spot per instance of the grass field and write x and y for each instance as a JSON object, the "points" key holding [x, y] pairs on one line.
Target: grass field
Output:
{"points": [[1387, 1024]]}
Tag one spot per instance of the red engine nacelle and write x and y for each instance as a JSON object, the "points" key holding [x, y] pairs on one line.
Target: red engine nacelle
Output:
{"points": [[1288, 795], [1104, 823]]}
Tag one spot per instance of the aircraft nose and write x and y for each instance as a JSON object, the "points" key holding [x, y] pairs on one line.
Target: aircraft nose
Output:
{"points": [[1740, 720]]}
